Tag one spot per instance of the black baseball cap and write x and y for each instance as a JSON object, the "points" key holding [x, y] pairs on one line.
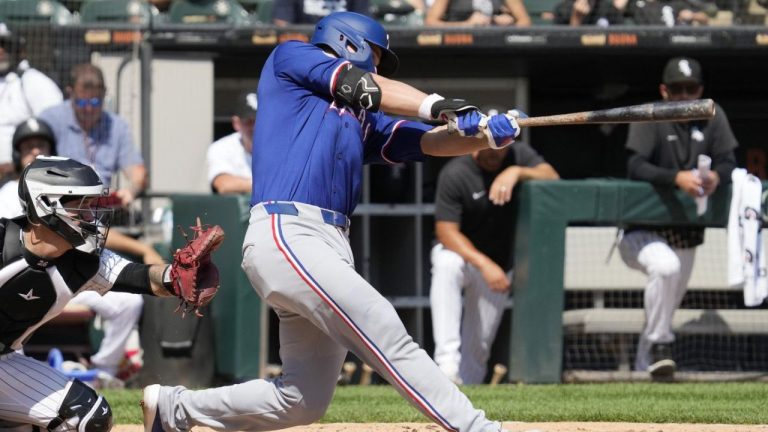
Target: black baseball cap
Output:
{"points": [[682, 70], [246, 104]]}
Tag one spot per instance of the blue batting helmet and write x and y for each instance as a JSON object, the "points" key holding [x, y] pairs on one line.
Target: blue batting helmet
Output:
{"points": [[346, 34]]}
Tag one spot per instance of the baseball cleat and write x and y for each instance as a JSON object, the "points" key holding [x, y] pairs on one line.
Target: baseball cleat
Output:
{"points": [[149, 406], [662, 369]]}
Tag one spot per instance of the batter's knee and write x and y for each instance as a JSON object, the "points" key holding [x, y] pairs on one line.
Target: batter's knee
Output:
{"points": [[82, 409]]}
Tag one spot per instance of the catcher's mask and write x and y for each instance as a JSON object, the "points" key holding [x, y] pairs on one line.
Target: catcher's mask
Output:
{"points": [[63, 195]]}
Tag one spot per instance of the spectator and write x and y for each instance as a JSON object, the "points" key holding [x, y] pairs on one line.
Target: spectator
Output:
{"points": [[668, 12], [229, 158], [311, 11], [24, 92], [475, 229], [590, 12], [665, 154], [477, 13], [120, 311], [89, 134]]}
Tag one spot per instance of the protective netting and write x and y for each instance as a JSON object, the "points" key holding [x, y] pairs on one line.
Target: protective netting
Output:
{"points": [[715, 331]]}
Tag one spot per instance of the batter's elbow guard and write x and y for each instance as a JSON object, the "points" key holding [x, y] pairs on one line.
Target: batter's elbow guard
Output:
{"points": [[357, 89]]}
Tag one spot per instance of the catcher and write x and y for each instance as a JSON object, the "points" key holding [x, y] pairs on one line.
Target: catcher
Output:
{"points": [[54, 251]]}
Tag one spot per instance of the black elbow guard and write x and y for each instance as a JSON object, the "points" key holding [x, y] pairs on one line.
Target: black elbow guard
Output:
{"points": [[357, 89]]}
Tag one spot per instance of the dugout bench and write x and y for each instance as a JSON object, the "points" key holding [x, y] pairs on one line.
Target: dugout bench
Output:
{"points": [[546, 209]]}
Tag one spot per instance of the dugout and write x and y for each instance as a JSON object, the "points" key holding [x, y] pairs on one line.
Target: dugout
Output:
{"points": [[188, 75]]}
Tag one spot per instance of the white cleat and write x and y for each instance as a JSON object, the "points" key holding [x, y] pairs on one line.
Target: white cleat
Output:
{"points": [[149, 407]]}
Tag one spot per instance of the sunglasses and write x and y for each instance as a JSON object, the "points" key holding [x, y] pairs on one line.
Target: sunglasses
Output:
{"points": [[94, 102], [683, 88]]}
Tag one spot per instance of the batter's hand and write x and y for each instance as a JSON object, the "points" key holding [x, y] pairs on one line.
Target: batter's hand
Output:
{"points": [[690, 183], [502, 186], [494, 276], [501, 130]]}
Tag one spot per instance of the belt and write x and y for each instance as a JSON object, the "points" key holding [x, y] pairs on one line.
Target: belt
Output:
{"points": [[312, 212]]}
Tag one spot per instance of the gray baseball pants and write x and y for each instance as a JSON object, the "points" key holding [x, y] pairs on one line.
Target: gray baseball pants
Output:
{"points": [[303, 267]]}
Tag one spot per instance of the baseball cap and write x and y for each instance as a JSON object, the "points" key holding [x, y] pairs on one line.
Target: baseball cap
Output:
{"points": [[246, 104], [682, 70]]}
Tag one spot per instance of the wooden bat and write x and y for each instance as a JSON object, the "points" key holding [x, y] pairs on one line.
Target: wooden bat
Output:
{"points": [[365, 375], [272, 371], [700, 109], [347, 370], [499, 370]]}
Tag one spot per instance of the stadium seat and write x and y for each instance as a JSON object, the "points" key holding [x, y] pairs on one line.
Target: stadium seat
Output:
{"points": [[117, 11], [34, 11], [208, 12], [540, 10]]}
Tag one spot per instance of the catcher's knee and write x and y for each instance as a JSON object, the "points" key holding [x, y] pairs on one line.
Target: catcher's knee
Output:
{"points": [[83, 409]]}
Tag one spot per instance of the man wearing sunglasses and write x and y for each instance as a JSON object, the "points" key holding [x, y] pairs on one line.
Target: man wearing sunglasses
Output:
{"points": [[89, 134], [666, 155]]}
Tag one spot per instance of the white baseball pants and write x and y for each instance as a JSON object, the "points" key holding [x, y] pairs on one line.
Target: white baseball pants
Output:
{"points": [[31, 393], [304, 269], [120, 313], [462, 340], [668, 270]]}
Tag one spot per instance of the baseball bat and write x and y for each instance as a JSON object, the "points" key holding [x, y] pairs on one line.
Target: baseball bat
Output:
{"points": [[347, 370], [365, 375], [700, 109], [499, 370]]}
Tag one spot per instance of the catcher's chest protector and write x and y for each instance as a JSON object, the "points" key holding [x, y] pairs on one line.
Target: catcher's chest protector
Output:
{"points": [[29, 293]]}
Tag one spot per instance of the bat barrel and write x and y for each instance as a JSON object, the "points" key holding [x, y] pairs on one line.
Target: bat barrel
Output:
{"points": [[701, 109]]}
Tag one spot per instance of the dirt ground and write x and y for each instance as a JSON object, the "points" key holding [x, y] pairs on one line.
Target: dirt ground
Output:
{"points": [[512, 427]]}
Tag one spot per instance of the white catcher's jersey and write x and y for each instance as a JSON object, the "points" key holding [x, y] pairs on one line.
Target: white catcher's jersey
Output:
{"points": [[34, 290]]}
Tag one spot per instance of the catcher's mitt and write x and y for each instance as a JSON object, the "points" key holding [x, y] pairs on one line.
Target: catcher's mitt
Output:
{"points": [[194, 278]]}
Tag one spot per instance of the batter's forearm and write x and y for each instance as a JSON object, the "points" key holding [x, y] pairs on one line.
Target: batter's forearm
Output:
{"points": [[399, 98], [438, 142]]}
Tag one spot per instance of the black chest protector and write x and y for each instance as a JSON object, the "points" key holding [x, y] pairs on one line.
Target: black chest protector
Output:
{"points": [[29, 292]]}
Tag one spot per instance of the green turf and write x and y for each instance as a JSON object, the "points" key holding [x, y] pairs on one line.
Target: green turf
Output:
{"points": [[727, 403]]}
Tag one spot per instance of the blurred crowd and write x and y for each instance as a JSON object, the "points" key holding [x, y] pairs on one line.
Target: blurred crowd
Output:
{"points": [[397, 12]]}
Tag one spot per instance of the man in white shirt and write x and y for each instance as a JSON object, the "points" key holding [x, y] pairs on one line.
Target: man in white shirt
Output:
{"points": [[24, 93], [229, 158]]}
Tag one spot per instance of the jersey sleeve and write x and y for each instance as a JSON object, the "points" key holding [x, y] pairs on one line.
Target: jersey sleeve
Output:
{"points": [[448, 197], [110, 267], [389, 140], [307, 66]]}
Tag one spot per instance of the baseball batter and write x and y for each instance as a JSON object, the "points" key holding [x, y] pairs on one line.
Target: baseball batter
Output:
{"points": [[41, 269], [321, 117]]}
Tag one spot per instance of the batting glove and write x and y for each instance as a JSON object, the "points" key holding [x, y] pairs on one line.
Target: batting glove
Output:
{"points": [[501, 130]]}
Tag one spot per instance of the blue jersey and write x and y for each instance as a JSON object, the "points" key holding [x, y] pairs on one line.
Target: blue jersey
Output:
{"points": [[310, 149]]}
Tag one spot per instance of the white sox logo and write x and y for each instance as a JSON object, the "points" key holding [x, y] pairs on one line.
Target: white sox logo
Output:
{"points": [[29, 296]]}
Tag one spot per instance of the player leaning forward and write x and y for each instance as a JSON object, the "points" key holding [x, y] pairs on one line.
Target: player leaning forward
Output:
{"points": [[321, 117], [49, 254]]}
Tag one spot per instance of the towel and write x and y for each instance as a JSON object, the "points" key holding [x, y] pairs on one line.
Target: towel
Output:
{"points": [[746, 258]]}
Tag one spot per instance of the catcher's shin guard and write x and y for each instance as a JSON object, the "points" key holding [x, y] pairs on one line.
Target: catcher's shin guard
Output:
{"points": [[84, 409]]}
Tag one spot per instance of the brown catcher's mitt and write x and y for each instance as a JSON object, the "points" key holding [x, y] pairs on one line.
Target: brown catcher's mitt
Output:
{"points": [[194, 278]]}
